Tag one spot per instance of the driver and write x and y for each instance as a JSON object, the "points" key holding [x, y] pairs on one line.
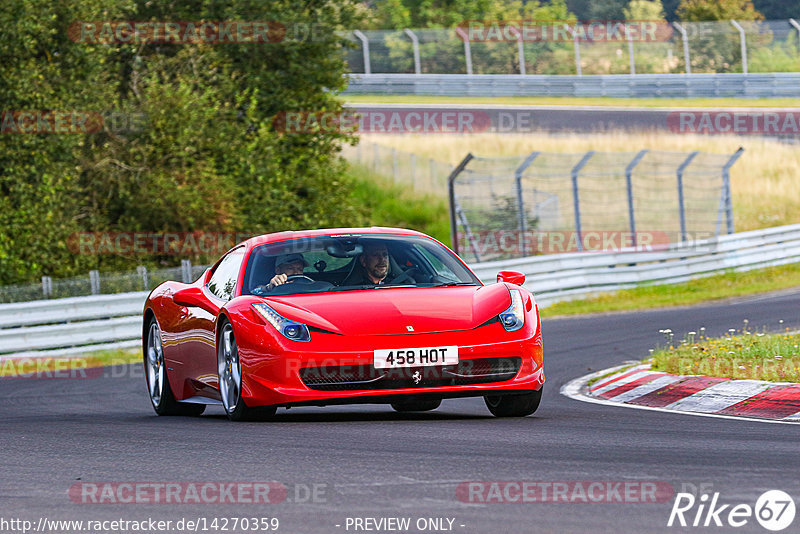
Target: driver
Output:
{"points": [[285, 266]]}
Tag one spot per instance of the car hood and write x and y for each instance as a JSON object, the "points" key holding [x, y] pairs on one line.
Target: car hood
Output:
{"points": [[389, 311]]}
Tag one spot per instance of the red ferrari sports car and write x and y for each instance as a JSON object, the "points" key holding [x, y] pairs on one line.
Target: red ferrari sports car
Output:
{"points": [[363, 315]]}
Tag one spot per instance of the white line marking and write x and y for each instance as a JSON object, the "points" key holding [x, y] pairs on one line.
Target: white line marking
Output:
{"points": [[573, 390]]}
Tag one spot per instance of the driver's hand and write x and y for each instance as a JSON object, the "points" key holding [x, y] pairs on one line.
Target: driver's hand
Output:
{"points": [[277, 280]]}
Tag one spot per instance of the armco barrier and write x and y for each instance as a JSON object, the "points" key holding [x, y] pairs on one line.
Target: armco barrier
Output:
{"points": [[562, 276], [754, 85], [89, 323]]}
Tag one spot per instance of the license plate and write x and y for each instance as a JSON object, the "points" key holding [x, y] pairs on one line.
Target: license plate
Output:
{"points": [[418, 357]]}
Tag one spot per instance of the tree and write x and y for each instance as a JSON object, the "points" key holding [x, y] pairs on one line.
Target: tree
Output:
{"points": [[608, 9], [777, 9], [704, 10], [208, 157], [644, 10]]}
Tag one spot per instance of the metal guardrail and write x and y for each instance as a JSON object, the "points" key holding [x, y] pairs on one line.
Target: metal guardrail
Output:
{"points": [[708, 85], [558, 277], [88, 323]]}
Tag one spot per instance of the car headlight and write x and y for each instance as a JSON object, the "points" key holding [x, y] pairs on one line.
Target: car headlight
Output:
{"points": [[514, 317], [288, 328]]}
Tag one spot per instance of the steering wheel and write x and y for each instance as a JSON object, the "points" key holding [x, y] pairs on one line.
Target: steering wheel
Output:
{"points": [[406, 275], [300, 278]]}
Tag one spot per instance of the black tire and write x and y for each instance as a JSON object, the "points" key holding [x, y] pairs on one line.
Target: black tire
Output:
{"points": [[416, 405], [231, 393], [514, 405], [155, 373]]}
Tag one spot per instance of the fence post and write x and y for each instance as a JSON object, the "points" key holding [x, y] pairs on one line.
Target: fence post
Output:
{"points": [[523, 220], [47, 287], [394, 165], [451, 193], [743, 45], [520, 50], [432, 173], [375, 155], [796, 27], [94, 282], [365, 50], [415, 45], [576, 205], [186, 271], [577, 47], [685, 39], [142, 271], [630, 51], [681, 206], [629, 181], [726, 184], [467, 50]]}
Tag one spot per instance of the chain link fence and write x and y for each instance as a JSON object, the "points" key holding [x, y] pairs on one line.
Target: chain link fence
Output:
{"points": [[687, 47], [423, 175], [542, 203]]}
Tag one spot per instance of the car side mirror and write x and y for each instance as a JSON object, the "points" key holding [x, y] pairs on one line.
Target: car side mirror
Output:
{"points": [[192, 296], [512, 277]]}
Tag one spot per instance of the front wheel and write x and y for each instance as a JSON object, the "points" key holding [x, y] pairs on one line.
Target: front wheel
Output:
{"points": [[161, 396], [230, 381], [514, 405]]}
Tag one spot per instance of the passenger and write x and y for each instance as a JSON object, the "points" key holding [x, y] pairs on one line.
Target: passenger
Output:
{"points": [[373, 266]]}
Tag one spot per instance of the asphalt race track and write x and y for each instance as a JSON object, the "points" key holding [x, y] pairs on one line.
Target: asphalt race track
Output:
{"points": [[369, 462]]}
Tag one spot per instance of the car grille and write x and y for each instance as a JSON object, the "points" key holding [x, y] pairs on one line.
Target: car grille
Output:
{"points": [[366, 377]]}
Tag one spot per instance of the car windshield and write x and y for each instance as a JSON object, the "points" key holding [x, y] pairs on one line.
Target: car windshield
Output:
{"points": [[352, 262]]}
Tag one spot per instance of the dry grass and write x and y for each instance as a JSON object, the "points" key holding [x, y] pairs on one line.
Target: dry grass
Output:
{"points": [[765, 180]]}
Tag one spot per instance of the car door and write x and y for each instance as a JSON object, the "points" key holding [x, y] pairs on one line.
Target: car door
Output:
{"points": [[199, 351]]}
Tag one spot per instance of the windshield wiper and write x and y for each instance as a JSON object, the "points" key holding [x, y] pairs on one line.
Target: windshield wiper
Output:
{"points": [[454, 283], [348, 288]]}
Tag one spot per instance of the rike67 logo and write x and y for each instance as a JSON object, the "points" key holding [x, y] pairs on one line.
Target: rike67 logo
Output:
{"points": [[774, 510]]}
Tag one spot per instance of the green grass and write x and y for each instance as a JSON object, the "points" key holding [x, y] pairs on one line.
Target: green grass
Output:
{"points": [[711, 288], [399, 206], [578, 101], [757, 356], [42, 366]]}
